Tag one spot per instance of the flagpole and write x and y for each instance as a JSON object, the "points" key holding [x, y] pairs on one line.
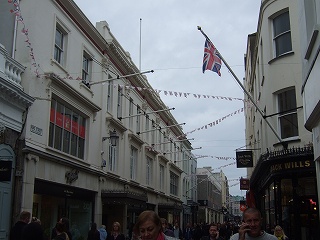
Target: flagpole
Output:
{"points": [[285, 145]]}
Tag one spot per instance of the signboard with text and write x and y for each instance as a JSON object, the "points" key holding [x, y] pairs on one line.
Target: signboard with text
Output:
{"points": [[5, 170], [244, 159]]}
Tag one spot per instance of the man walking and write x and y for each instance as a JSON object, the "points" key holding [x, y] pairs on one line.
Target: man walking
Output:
{"points": [[16, 231], [250, 228]]}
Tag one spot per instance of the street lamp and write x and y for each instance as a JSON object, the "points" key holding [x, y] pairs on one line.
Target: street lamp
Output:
{"points": [[113, 138]]}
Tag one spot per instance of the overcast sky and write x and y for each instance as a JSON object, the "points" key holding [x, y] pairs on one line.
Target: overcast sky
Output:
{"points": [[172, 46]]}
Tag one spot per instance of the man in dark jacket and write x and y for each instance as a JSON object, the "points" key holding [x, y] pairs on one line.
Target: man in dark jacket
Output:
{"points": [[213, 233], [16, 231]]}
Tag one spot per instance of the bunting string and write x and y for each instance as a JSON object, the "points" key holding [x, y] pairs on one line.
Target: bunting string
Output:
{"points": [[165, 92], [17, 12], [219, 158], [214, 123]]}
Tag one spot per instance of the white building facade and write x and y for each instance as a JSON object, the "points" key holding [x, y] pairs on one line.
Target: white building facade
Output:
{"points": [[95, 146], [282, 181]]}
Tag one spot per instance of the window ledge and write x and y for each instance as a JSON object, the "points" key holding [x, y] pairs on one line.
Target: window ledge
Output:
{"points": [[291, 140], [281, 56], [53, 61]]}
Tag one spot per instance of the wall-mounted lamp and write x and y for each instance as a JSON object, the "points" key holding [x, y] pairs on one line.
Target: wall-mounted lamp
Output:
{"points": [[113, 138]]}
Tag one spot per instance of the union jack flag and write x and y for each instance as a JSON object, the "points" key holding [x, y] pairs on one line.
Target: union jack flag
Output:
{"points": [[211, 58]]}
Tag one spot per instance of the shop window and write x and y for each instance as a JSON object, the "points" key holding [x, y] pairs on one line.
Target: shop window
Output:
{"points": [[67, 129], [174, 181], [282, 34], [133, 163], [287, 118]]}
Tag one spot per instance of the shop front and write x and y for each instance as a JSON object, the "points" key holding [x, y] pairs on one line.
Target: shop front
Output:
{"points": [[123, 207], [51, 201], [283, 186], [170, 211]]}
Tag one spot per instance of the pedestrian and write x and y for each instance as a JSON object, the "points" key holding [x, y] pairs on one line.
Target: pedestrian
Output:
{"points": [[16, 231], [103, 232], [116, 232], [33, 230], [165, 228], [197, 232], [177, 232], [60, 232], [149, 227], [93, 233], [187, 232], [251, 227], [65, 222], [279, 233], [213, 233]]}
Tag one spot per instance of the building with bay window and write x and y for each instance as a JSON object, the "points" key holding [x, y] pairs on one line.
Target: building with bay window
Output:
{"points": [[283, 179], [97, 143]]}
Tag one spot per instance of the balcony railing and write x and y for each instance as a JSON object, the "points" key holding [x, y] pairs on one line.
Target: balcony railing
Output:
{"points": [[294, 151], [11, 69]]}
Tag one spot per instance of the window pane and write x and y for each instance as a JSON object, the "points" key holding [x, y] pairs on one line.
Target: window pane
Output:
{"points": [[81, 148], [289, 125], [74, 141], [282, 34], [287, 100], [58, 138], [66, 141], [283, 44], [281, 24], [51, 134]]}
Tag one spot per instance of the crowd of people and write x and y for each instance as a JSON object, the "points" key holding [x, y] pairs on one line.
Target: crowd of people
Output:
{"points": [[149, 226]]}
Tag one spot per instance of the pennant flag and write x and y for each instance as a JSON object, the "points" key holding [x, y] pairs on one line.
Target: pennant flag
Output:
{"points": [[211, 58]]}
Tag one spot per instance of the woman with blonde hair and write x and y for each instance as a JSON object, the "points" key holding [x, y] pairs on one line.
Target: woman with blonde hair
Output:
{"points": [[116, 232], [279, 233]]}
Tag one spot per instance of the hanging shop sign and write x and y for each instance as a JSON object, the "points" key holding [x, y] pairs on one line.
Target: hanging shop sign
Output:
{"points": [[244, 184], [244, 159]]}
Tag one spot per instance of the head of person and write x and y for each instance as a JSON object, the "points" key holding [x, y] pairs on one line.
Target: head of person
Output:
{"points": [[164, 223], [93, 226], [25, 216], [103, 227], [176, 224], [65, 222], [278, 231], [213, 231], [252, 217], [60, 228], [148, 226], [116, 227]]}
